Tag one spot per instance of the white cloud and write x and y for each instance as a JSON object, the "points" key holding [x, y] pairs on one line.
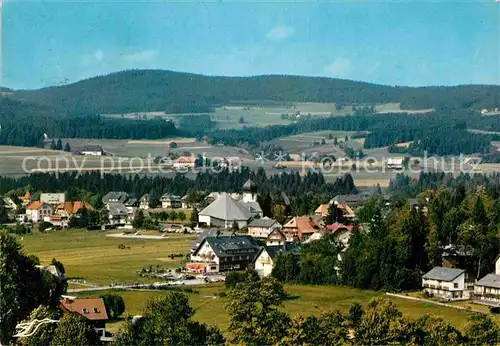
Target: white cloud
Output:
{"points": [[340, 67], [141, 56], [98, 55], [279, 33]]}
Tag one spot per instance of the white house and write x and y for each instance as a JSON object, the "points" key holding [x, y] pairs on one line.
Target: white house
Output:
{"points": [[488, 288], [185, 162], [92, 150], [446, 283], [265, 260], [9, 203], [261, 228], [223, 253], [54, 199], [170, 201], [395, 163], [276, 237], [118, 213], [144, 202], [38, 211]]}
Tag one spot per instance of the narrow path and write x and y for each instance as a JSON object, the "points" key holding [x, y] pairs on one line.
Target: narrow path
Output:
{"points": [[402, 296]]}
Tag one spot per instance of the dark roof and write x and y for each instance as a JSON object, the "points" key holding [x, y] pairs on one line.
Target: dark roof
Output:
{"points": [[274, 250], [211, 232], [117, 208], [131, 201], [264, 222], [443, 274], [92, 148], [249, 186], [170, 197], [348, 198], [115, 196], [227, 246], [490, 280]]}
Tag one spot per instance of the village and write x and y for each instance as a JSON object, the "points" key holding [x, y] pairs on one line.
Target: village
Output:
{"points": [[232, 234]]}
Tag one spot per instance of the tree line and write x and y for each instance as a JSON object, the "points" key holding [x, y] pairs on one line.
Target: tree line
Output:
{"points": [[304, 193], [398, 243]]}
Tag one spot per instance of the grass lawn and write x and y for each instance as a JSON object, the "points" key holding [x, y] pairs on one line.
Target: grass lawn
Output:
{"points": [[311, 300], [96, 258]]}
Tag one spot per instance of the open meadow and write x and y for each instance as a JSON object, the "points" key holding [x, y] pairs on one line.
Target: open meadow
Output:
{"points": [[98, 259], [310, 300], [92, 256]]}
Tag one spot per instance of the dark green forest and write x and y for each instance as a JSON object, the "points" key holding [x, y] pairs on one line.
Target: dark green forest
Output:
{"points": [[177, 92], [24, 124]]}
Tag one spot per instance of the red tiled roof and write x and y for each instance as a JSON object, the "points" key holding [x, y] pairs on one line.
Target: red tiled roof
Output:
{"points": [[91, 308], [303, 224], [34, 205], [186, 159], [73, 207], [338, 226]]}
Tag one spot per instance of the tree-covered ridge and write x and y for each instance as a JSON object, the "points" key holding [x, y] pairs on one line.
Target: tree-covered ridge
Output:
{"points": [[177, 92], [24, 124]]}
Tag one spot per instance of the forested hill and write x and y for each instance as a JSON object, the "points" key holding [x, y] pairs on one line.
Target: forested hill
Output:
{"points": [[176, 92]]}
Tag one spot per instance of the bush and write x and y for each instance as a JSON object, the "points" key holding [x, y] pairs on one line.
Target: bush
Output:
{"points": [[222, 294]]}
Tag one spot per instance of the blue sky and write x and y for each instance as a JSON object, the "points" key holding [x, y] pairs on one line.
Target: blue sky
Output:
{"points": [[396, 43]]}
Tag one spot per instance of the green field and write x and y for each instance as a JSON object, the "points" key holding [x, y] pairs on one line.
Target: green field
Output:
{"points": [[97, 259], [311, 300]]}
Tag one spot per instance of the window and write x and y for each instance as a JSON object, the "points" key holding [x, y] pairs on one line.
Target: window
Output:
{"points": [[96, 310], [455, 285], [85, 311]]}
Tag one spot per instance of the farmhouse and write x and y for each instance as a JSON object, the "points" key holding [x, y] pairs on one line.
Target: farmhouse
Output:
{"points": [[488, 288], [92, 150], [322, 210], [144, 202], [10, 206], [446, 283], [276, 237], [261, 228], [170, 201], [115, 197], [225, 211], [265, 258], [353, 201], [225, 253], [185, 162], [93, 309], [69, 209], [341, 234], [54, 199], [118, 213], [300, 228], [37, 211], [211, 232], [395, 163]]}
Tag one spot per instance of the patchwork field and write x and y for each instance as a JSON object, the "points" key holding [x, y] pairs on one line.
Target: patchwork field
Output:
{"points": [[255, 114], [92, 256], [311, 300]]}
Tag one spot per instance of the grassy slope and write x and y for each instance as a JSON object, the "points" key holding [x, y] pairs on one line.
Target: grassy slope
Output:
{"points": [[97, 259]]}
